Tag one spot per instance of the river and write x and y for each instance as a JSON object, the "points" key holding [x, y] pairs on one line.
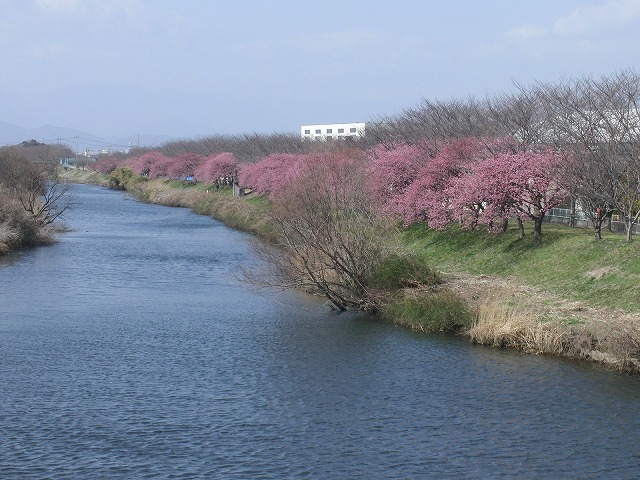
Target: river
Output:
{"points": [[132, 349]]}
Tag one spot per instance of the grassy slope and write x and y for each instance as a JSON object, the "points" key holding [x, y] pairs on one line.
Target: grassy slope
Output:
{"points": [[569, 262], [569, 295], [73, 175]]}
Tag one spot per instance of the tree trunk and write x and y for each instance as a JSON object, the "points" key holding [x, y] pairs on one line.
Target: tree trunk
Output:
{"points": [[597, 226], [632, 221], [572, 214], [521, 228], [537, 228]]}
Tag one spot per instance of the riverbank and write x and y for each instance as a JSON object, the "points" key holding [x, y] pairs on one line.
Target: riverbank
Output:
{"points": [[79, 175], [570, 296]]}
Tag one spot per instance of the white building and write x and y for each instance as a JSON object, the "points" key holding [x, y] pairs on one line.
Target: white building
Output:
{"points": [[332, 130]]}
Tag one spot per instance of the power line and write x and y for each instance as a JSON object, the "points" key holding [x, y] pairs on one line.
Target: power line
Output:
{"points": [[86, 141]]}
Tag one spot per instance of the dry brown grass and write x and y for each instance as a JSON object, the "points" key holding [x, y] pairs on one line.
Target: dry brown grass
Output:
{"points": [[614, 341], [534, 321], [8, 236], [235, 212], [173, 197], [502, 325]]}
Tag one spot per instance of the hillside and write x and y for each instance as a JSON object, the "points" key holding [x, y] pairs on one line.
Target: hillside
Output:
{"points": [[77, 140]]}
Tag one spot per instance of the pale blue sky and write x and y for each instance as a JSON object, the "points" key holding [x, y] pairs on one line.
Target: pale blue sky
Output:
{"points": [[195, 67]]}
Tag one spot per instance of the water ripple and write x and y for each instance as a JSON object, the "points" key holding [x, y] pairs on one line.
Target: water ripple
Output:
{"points": [[129, 350]]}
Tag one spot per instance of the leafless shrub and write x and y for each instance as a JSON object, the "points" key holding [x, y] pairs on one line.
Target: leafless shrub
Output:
{"points": [[330, 237], [33, 185]]}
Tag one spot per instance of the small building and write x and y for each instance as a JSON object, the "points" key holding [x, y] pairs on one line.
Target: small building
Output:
{"points": [[330, 131], [68, 162]]}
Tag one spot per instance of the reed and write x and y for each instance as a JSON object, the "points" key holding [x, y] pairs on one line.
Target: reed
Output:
{"points": [[502, 324], [612, 339]]}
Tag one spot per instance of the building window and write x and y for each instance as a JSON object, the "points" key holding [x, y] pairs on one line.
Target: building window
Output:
{"points": [[329, 137], [341, 130], [329, 130], [352, 130], [318, 131], [307, 132]]}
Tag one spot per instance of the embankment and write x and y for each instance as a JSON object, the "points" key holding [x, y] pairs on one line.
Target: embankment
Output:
{"points": [[569, 296]]}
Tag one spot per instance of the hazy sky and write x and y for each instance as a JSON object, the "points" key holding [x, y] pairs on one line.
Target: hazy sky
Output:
{"points": [[198, 67]]}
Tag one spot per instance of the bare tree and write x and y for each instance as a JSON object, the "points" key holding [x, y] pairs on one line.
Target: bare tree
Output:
{"points": [[518, 116], [331, 238], [246, 147], [600, 121], [33, 185]]}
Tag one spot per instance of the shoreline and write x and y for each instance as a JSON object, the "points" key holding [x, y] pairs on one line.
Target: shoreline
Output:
{"points": [[507, 314]]}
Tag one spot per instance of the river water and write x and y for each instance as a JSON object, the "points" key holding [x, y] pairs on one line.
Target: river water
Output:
{"points": [[131, 349]]}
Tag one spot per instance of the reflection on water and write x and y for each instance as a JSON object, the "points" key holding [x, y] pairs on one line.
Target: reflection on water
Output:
{"points": [[131, 350]]}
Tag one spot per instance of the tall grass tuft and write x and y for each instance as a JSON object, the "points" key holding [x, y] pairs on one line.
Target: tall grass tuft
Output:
{"points": [[429, 311], [502, 325], [614, 341], [402, 271]]}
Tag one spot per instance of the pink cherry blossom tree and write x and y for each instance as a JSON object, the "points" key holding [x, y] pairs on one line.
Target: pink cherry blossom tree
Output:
{"points": [[107, 164], [468, 199], [270, 174], [430, 197], [538, 184], [141, 165], [160, 166], [217, 167], [153, 164], [184, 165], [391, 172], [524, 184]]}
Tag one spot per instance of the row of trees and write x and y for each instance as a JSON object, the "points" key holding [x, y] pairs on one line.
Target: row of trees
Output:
{"points": [[246, 148], [471, 162], [332, 208], [154, 164], [594, 120], [468, 182], [31, 198], [583, 133]]}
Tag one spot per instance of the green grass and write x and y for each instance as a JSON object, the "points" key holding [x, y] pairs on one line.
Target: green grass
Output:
{"points": [[75, 175], [429, 312], [400, 271], [568, 262]]}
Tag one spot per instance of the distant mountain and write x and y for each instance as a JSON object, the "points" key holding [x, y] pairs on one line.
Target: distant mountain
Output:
{"points": [[77, 140], [9, 133], [143, 140]]}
